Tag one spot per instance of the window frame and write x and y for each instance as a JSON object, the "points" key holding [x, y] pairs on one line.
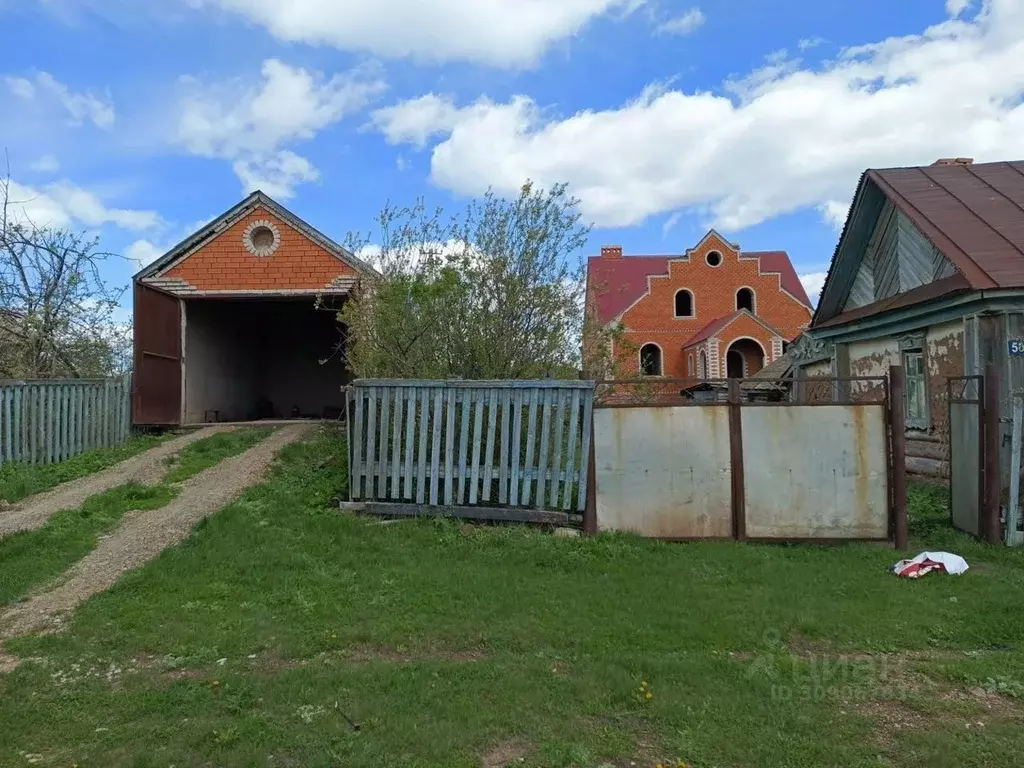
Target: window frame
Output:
{"points": [[753, 299], [916, 386], [689, 364], [709, 254], [702, 365], [675, 304], [660, 358]]}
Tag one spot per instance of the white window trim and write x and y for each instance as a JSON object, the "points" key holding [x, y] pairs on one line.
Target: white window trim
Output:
{"points": [[721, 259], [753, 296], [661, 360], [693, 305]]}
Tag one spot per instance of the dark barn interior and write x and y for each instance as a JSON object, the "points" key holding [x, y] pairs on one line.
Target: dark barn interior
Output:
{"points": [[249, 359]]}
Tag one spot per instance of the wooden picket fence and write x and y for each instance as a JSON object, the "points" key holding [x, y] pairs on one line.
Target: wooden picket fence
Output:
{"points": [[42, 422], [452, 444]]}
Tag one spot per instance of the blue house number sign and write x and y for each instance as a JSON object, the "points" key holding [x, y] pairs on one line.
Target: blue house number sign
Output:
{"points": [[1016, 347]]}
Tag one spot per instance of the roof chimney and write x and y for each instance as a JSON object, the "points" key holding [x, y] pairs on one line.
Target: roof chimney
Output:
{"points": [[611, 251], [954, 161]]}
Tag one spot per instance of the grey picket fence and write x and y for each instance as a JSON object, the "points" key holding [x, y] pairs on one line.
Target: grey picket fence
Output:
{"points": [[470, 443], [42, 422]]}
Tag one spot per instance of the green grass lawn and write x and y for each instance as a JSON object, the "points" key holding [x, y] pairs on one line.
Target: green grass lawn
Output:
{"points": [[255, 641], [32, 558], [20, 480]]}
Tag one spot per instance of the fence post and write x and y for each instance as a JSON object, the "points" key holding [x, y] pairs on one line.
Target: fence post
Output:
{"points": [[898, 453], [990, 521], [739, 508]]}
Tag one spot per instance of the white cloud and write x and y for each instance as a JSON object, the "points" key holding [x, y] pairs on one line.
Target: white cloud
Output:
{"points": [[277, 175], [143, 252], [813, 282], [495, 32], [63, 204], [46, 164], [81, 107], [670, 223], [250, 125], [783, 139], [20, 87], [682, 25], [956, 7], [416, 121], [834, 213]]}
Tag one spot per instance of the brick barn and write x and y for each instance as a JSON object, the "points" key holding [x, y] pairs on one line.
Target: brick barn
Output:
{"points": [[226, 322], [713, 312]]}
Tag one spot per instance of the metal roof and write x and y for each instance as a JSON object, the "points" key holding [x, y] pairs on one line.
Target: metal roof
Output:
{"points": [[972, 212]]}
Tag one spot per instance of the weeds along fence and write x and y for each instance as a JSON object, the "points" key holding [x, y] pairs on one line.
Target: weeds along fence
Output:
{"points": [[498, 444], [42, 422]]}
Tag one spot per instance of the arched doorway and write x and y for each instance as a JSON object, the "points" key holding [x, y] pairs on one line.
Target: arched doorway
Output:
{"points": [[744, 358]]}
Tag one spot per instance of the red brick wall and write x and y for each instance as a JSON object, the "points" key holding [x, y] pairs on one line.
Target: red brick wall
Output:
{"points": [[653, 319], [225, 264]]}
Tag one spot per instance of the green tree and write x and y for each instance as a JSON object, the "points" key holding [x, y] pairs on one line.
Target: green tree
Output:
{"points": [[494, 293]]}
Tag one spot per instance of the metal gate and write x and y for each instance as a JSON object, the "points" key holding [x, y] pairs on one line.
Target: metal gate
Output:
{"points": [[156, 400], [966, 462], [976, 487], [757, 459]]}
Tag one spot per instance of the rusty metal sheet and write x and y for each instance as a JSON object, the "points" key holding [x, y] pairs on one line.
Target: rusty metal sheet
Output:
{"points": [[816, 472], [965, 473], [664, 472], [156, 400]]}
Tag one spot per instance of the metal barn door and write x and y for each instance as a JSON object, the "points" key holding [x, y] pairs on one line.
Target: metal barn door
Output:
{"points": [[156, 399]]}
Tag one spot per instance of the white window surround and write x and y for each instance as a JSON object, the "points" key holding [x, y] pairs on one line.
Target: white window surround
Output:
{"points": [[659, 359], [675, 305], [714, 256]]}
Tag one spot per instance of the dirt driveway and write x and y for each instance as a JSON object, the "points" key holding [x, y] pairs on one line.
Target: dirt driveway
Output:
{"points": [[143, 535], [146, 468]]}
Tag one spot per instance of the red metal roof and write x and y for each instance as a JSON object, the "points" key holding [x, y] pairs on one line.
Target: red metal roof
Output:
{"points": [[615, 284], [973, 213], [716, 326], [712, 328]]}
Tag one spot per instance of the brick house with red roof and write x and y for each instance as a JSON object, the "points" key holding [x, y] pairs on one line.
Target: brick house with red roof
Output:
{"points": [[712, 312]]}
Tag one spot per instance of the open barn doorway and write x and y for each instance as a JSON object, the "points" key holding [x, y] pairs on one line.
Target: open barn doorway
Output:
{"points": [[256, 359]]}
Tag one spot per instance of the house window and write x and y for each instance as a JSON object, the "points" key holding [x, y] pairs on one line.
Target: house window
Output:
{"points": [[702, 365], [684, 303], [745, 299], [689, 365], [714, 258], [650, 360], [917, 389]]}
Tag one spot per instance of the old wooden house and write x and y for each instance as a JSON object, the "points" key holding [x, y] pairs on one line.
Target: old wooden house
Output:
{"points": [[929, 274]]}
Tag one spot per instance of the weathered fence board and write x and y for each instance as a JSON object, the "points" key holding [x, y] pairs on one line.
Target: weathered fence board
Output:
{"points": [[43, 422], [470, 444]]}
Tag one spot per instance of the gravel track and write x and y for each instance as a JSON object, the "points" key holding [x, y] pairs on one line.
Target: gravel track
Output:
{"points": [[147, 468], [143, 535]]}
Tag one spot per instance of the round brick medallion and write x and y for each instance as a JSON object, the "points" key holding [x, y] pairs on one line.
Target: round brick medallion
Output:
{"points": [[261, 238]]}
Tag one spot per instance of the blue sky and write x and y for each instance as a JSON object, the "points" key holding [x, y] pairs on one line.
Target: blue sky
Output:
{"points": [[666, 117]]}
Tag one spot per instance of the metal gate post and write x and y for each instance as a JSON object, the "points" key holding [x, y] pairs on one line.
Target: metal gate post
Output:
{"points": [[898, 453], [990, 526], [739, 502]]}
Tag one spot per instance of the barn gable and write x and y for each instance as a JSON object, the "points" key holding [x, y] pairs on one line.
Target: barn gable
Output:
{"points": [[257, 247]]}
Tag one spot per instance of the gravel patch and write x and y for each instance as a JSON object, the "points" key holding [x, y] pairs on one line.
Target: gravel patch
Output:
{"points": [[146, 468], [142, 536]]}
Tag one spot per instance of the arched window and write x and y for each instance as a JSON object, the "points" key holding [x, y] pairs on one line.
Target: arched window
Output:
{"points": [[689, 364], [684, 303], [702, 365], [650, 360], [745, 299]]}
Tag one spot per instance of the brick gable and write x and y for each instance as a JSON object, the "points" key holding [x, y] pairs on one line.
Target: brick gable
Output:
{"points": [[651, 316], [224, 263]]}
